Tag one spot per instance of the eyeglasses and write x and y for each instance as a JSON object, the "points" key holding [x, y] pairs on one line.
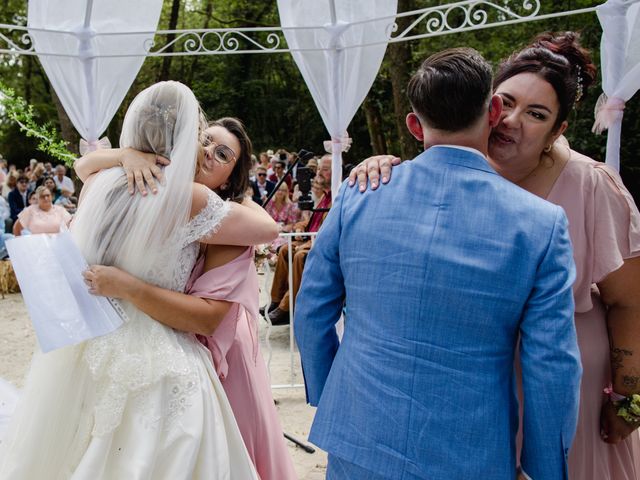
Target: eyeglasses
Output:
{"points": [[262, 174], [221, 153], [23, 181]]}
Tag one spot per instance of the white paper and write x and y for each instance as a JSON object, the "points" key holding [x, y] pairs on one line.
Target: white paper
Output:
{"points": [[63, 312]]}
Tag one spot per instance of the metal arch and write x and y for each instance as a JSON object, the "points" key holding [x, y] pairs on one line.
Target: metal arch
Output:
{"points": [[457, 17]]}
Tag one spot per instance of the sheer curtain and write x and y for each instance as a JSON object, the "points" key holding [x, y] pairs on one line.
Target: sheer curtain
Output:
{"points": [[91, 89], [337, 73], [620, 49]]}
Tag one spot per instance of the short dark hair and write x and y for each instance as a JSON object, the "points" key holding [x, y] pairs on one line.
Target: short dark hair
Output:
{"points": [[451, 89], [238, 181]]}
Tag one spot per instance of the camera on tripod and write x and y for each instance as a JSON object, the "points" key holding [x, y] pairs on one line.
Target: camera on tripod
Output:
{"points": [[304, 175]]}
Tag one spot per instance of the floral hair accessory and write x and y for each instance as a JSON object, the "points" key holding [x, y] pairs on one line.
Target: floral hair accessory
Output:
{"points": [[579, 87]]}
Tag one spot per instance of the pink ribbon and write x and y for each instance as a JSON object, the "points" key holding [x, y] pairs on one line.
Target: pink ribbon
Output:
{"points": [[86, 147], [342, 143], [607, 111]]}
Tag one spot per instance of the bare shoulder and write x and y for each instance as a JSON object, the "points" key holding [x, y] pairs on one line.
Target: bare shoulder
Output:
{"points": [[199, 198]]}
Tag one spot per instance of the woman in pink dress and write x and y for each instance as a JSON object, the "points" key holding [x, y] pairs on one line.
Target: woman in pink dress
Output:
{"points": [[43, 217], [539, 86], [221, 307], [284, 212], [282, 209]]}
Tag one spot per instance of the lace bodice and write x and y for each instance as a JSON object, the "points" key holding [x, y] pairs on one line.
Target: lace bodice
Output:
{"points": [[205, 223], [143, 352]]}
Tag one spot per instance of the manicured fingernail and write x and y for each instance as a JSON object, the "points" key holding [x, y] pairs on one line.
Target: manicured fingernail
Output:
{"points": [[374, 184], [362, 188], [385, 179], [351, 182]]}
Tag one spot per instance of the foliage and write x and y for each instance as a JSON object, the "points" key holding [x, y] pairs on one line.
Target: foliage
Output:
{"points": [[268, 93], [19, 111]]}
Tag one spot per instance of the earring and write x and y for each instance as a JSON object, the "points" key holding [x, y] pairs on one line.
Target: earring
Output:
{"points": [[548, 148], [224, 186]]}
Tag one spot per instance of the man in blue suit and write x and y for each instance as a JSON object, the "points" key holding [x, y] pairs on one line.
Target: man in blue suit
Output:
{"points": [[442, 272]]}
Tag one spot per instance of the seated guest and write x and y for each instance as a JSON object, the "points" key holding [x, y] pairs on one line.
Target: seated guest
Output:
{"points": [[43, 217], [66, 201], [279, 168], [3, 248], [261, 187], [280, 301], [5, 215], [19, 197], [62, 180], [50, 183], [283, 211], [9, 184], [36, 177]]}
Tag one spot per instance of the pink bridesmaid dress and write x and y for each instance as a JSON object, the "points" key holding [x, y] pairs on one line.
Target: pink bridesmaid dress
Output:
{"points": [[604, 225], [239, 364]]}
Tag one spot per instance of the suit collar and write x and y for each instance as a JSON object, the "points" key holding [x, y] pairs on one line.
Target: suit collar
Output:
{"points": [[464, 157]]}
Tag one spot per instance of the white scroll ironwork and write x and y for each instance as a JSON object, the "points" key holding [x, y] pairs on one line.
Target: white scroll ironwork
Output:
{"points": [[433, 21]]}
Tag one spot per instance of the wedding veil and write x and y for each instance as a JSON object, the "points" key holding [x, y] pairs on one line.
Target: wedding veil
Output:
{"points": [[136, 233], [75, 390]]}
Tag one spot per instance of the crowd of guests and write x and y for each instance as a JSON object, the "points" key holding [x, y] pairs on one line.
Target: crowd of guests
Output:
{"points": [[37, 199], [269, 169]]}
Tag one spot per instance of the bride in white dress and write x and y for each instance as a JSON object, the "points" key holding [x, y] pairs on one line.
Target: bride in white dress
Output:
{"points": [[142, 402]]}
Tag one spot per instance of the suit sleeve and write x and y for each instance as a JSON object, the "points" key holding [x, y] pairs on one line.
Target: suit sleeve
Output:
{"points": [[14, 208], [319, 304], [550, 360]]}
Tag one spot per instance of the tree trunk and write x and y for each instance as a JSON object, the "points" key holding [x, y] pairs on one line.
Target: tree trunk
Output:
{"points": [[67, 130], [173, 23], [208, 10], [399, 65], [374, 125]]}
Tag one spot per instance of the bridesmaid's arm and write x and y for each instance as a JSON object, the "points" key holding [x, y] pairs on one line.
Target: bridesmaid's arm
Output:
{"points": [[173, 309], [246, 224], [140, 167], [620, 291]]}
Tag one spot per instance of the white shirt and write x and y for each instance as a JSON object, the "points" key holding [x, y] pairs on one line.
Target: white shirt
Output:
{"points": [[66, 183]]}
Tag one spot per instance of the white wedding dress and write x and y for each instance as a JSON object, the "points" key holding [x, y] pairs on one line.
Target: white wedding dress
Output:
{"points": [[143, 402]]}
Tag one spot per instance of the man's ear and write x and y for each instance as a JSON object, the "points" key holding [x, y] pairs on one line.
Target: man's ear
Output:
{"points": [[414, 126], [495, 110]]}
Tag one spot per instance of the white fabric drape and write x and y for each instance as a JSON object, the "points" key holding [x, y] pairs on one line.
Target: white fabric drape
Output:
{"points": [[91, 89], [620, 49], [338, 76]]}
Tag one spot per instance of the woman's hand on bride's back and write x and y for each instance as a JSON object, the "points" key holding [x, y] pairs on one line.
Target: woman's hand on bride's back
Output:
{"points": [[372, 169], [142, 169]]}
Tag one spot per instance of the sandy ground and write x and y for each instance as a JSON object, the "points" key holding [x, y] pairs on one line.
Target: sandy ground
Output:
{"points": [[17, 342]]}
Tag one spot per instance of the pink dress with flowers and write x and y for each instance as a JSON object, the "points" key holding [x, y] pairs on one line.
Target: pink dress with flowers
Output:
{"points": [[40, 221], [604, 225], [239, 364]]}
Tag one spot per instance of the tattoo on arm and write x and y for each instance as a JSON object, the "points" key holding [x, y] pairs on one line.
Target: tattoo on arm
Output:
{"points": [[631, 381], [617, 357]]}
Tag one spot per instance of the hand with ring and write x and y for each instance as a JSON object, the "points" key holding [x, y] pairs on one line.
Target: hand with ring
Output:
{"points": [[109, 281]]}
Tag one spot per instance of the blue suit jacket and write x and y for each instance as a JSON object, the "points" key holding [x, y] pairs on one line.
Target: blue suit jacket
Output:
{"points": [[16, 204], [442, 271]]}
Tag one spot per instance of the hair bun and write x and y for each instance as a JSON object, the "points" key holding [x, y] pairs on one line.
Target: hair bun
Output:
{"points": [[568, 45]]}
